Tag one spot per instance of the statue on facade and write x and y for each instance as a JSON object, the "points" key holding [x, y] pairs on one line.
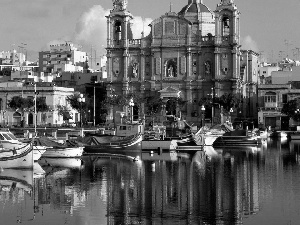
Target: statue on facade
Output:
{"points": [[170, 71], [135, 67], [207, 67]]}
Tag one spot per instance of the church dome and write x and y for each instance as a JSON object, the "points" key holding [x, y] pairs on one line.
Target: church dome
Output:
{"points": [[194, 7]]}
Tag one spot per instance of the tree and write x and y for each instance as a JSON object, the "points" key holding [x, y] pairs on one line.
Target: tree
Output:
{"points": [[291, 109], [228, 101], [20, 103], [64, 112], [41, 105], [81, 107]]}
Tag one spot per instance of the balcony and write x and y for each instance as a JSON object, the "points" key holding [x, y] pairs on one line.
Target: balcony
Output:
{"points": [[271, 104], [134, 43]]}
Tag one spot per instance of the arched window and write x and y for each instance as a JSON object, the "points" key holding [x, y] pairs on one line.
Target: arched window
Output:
{"points": [[226, 26], [118, 30]]}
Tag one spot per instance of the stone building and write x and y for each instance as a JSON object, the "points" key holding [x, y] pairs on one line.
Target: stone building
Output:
{"points": [[194, 53]]}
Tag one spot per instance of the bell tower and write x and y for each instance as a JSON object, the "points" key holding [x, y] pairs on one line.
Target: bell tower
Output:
{"points": [[118, 35], [227, 42]]}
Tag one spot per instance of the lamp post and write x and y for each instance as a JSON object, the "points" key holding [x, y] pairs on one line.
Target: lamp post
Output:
{"points": [[131, 104], [202, 115], [230, 111], [297, 112], [94, 113], [35, 114], [81, 100]]}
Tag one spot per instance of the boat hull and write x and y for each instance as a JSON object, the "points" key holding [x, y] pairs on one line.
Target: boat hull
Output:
{"points": [[38, 151], [233, 141], [131, 148], [61, 162], [18, 158], [63, 152]]}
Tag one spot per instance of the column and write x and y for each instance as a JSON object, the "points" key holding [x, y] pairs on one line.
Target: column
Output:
{"points": [[217, 63]]}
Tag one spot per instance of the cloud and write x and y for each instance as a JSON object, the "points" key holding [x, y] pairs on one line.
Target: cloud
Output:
{"points": [[249, 44], [91, 28], [140, 25]]}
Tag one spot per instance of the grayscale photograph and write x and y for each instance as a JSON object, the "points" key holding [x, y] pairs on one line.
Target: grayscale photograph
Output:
{"points": [[149, 112]]}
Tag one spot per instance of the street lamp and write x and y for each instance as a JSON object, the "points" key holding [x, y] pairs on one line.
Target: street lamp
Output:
{"points": [[297, 112], [202, 115], [81, 100], [230, 111], [131, 104]]}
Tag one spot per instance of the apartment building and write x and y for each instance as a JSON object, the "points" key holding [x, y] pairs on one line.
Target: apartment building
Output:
{"points": [[62, 58]]}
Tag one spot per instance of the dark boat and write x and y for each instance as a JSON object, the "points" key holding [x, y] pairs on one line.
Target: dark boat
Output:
{"points": [[113, 145], [237, 138]]}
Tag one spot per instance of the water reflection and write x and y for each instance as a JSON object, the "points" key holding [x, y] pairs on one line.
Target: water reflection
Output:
{"points": [[217, 186]]}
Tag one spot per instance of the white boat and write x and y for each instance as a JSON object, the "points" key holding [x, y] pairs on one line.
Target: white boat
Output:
{"points": [[38, 151], [8, 141], [57, 150], [60, 162], [206, 136], [63, 152], [19, 157]]}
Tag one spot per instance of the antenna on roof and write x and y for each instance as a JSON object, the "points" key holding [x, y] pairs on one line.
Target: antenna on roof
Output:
{"points": [[170, 6]]}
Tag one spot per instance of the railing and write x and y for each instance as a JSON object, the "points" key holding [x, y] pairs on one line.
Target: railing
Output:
{"points": [[271, 105], [134, 42], [208, 39]]}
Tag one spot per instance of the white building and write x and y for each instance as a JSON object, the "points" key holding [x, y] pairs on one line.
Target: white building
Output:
{"points": [[62, 58], [12, 58], [53, 96]]}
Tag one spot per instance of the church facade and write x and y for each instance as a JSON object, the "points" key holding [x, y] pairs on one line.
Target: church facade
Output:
{"points": [[194, 54]]}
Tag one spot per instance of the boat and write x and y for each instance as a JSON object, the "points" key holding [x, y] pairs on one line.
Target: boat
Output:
{"points": [[130, 145], [57, 150], [9, 140], [18, 157], [237, 138], [294, 135], [207, 136], [60, 162]]}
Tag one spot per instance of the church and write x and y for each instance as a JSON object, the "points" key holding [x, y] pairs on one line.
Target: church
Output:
{"points": [[194, 55]]}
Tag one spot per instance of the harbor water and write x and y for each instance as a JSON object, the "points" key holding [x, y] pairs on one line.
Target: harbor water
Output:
{"points": [[223, 186]]}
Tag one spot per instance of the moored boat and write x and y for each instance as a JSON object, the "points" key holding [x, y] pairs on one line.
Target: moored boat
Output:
{"points": [[58, 150], [237, 138], [19, 158], [130, 146]]}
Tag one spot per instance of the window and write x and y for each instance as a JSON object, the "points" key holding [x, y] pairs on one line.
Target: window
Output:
{"points": [[226, 26], [122, 127], [118, 30], [270, 97], [284, 98]]}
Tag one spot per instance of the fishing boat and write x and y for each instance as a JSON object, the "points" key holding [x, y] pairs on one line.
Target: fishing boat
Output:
{"points": [[116, 145], [58, 150], [237, 138], [60, 162], [9, 141], [19, 157]]}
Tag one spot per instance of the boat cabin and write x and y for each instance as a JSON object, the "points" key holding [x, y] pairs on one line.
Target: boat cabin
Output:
{"points": [[129, 129]]}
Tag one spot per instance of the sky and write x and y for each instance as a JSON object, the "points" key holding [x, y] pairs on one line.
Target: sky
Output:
{"points": [[269, 27]]}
